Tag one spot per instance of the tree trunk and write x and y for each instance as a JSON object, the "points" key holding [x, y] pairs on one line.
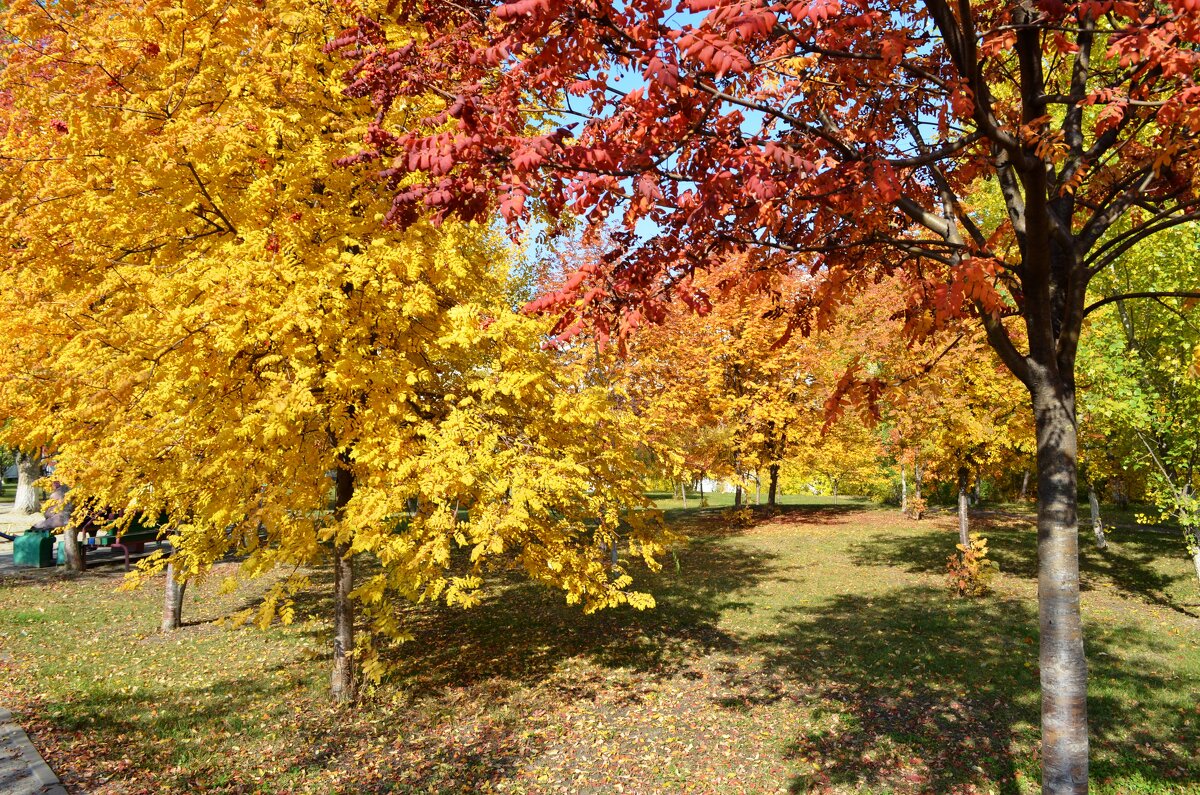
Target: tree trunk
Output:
{"points": [[1024, 485], [773, 488], [1196, 555], [903, 491], [737, 496], [964, 528], [29, 469], [835, 485], [917, 480], [683, 491], [172, 617], [1097, 522], [757, 490], [71, 552], [701, 489], [342, 680], [1120, 495], [1062, 662]]}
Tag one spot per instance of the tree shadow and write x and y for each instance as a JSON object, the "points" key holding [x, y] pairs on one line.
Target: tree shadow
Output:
{"points": [[1128, 565], [524, 631], [161, 744], [918, 692]]}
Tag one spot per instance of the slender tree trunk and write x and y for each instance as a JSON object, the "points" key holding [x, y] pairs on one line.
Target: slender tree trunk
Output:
{"points": [[1196, 555], [29, 469], [683, 491], [903, 491], [1120, 495], [964, 524], [773, 488], [342, 680], [71, 552], [917, 474], [737, 496], [757, 490], [1097, 522], [172, 617], [835, 489], [1062, 662], [976, 494], [1024, 485], [702, 490]]}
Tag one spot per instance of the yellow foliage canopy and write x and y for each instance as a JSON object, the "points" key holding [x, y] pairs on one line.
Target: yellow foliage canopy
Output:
{"points": [[205, 318]]}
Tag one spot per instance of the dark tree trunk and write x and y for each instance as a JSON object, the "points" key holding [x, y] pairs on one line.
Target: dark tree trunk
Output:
{"points": [[342, 679], [1024, 485], [757, 490], [1097, 522], [773, 488], [1062, 661], [683, 492], [71, 552], [737, 496], [964, 529], [172, 617], [1121, 495]]}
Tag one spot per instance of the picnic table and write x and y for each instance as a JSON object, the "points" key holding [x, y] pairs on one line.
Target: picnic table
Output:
{"points": [[133, 540]]}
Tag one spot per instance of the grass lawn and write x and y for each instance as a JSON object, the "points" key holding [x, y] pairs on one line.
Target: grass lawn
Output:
{"points": [[815, 652]]}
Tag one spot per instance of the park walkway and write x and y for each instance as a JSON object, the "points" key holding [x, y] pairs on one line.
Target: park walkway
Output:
{"points": [[22, 769]]}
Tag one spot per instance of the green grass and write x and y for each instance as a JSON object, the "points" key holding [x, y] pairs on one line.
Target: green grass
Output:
{"points": [[817, 651], [668, 502]]}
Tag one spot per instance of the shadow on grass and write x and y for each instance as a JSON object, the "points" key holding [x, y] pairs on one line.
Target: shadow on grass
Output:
{"points": [[916, 692], [1128, 564], [169, 748], [525, 631]]}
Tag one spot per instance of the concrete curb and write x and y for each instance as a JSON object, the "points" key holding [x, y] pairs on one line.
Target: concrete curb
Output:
{"points": [[14, 736]]}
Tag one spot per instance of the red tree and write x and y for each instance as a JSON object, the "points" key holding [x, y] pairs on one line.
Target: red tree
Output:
{"points": [[837, 137]]}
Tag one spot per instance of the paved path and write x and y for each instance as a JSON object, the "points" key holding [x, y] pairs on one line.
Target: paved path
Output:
{"points": [[22, 769]]}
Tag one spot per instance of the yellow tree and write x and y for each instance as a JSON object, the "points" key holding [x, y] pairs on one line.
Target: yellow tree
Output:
{"points": [[956, 418], [208, 322], [733, 389]]}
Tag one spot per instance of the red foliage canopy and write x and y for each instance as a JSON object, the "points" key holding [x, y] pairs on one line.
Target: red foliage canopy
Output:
{"points": [[819, 133]]}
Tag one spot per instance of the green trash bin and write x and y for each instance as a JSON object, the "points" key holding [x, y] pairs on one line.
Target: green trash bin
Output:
{"points": [[35, 548]]}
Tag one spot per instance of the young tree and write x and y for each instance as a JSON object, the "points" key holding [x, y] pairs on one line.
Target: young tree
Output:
{"points": [[1140, 365], [729, 125]]}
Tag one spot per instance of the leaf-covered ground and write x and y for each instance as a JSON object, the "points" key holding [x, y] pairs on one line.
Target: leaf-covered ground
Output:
{"points": [[817, 651]]}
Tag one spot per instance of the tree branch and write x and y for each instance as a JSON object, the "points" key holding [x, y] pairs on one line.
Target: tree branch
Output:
{"points": [[1153, 294]]}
